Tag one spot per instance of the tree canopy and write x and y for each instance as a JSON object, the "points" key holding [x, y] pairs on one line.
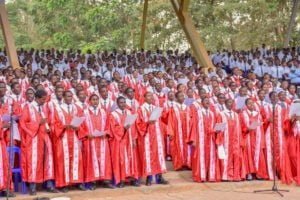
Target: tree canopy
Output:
{"points": [[109, 24]]}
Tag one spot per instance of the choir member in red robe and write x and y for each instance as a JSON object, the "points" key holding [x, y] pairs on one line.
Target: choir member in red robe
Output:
{"points": [[178, 129], [37, 163], [205, 165], [230, 141], [275, 128], [4, 178], [151, 142], [96, 150], [253, 142], [131, 103], [294, 146], [124, 146], [68, 145]]}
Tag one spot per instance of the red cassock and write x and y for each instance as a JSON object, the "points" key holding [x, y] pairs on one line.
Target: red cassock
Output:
{"points": [[96, 151], [125, 157], [280, 147], [151, 142], [205, 165], [253, 144], [37, 155], [178, 129], [230, 141], [293, 145], [68, 146], [3, 155]]}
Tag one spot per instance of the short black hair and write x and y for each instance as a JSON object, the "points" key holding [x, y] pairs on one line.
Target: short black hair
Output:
{"points": [[40, 94]]}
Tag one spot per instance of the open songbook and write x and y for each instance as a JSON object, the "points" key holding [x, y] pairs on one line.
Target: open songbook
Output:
{"points": [[77, 121], [156, 113]]}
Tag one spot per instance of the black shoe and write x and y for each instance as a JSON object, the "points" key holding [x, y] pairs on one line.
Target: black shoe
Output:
{"points": [[9, 194], [32, 192], [93, 186], [162, 181], [121, 185], [148, 181], [82, 187], [135, 183], [107, 184], [64, 190], [52, 190]]}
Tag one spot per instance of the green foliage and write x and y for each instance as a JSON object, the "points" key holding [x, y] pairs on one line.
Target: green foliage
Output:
{"points": [[108, 24]]}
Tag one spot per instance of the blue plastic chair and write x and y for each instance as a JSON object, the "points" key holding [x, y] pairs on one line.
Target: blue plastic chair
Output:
{"points": [[17, 172]]}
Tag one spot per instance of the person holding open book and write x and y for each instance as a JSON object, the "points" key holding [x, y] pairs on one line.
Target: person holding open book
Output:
{"points": [[151, 141], [124, 149], [229, 144], [96, 150], [205, 164], [67, 136], [253, 142]]}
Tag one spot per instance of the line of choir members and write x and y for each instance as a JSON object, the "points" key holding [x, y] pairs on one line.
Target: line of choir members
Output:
{"points": [[61, 155]]}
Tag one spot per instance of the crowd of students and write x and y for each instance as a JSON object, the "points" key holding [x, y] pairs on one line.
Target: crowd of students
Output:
{"points": [[223, 125]]}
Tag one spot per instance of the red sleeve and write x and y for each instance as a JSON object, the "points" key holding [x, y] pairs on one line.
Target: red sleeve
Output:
{"points": [[29, 127], [116, 130], [58, 126], [141, 125], [193, 125], [171, 123]]}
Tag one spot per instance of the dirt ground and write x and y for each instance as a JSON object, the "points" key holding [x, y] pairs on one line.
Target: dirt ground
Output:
{"points": [[181, 187]]}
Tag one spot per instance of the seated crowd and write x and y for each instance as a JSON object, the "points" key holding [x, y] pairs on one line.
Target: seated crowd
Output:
{"points": [[68, 113]]}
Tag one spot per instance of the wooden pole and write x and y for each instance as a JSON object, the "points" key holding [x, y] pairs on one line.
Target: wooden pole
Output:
{"points": [[143, 32], [191, 33], [8, 37]]}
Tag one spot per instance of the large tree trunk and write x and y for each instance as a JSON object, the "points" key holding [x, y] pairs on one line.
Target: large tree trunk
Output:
{"points": [[292, 23]]}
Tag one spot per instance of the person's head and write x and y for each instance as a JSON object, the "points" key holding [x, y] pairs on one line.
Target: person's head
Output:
{"points": [[59, 91], [29, 95], [202, 93], [261, 95], [273, 97], [249, 104], [243, 91], [35, 82], [102, 83], [94, 100], [221, 98], [232, 86], [121, 103], [81, 95], [148, 97], [158, 87], [282, 96], [292, 89], [180, 97], [68, 97], [229, 104], [2, 89], [40, 97], [171, 96], [284, 85], [205, 102], [103, 92], [16, 88], [190, 93], [129, 93]]}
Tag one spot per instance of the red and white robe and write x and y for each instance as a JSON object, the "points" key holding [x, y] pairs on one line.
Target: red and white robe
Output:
{"points": [[205, 166], [96, 150], [68, 147], [124, 151], [151, 142], [37, 155]]}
